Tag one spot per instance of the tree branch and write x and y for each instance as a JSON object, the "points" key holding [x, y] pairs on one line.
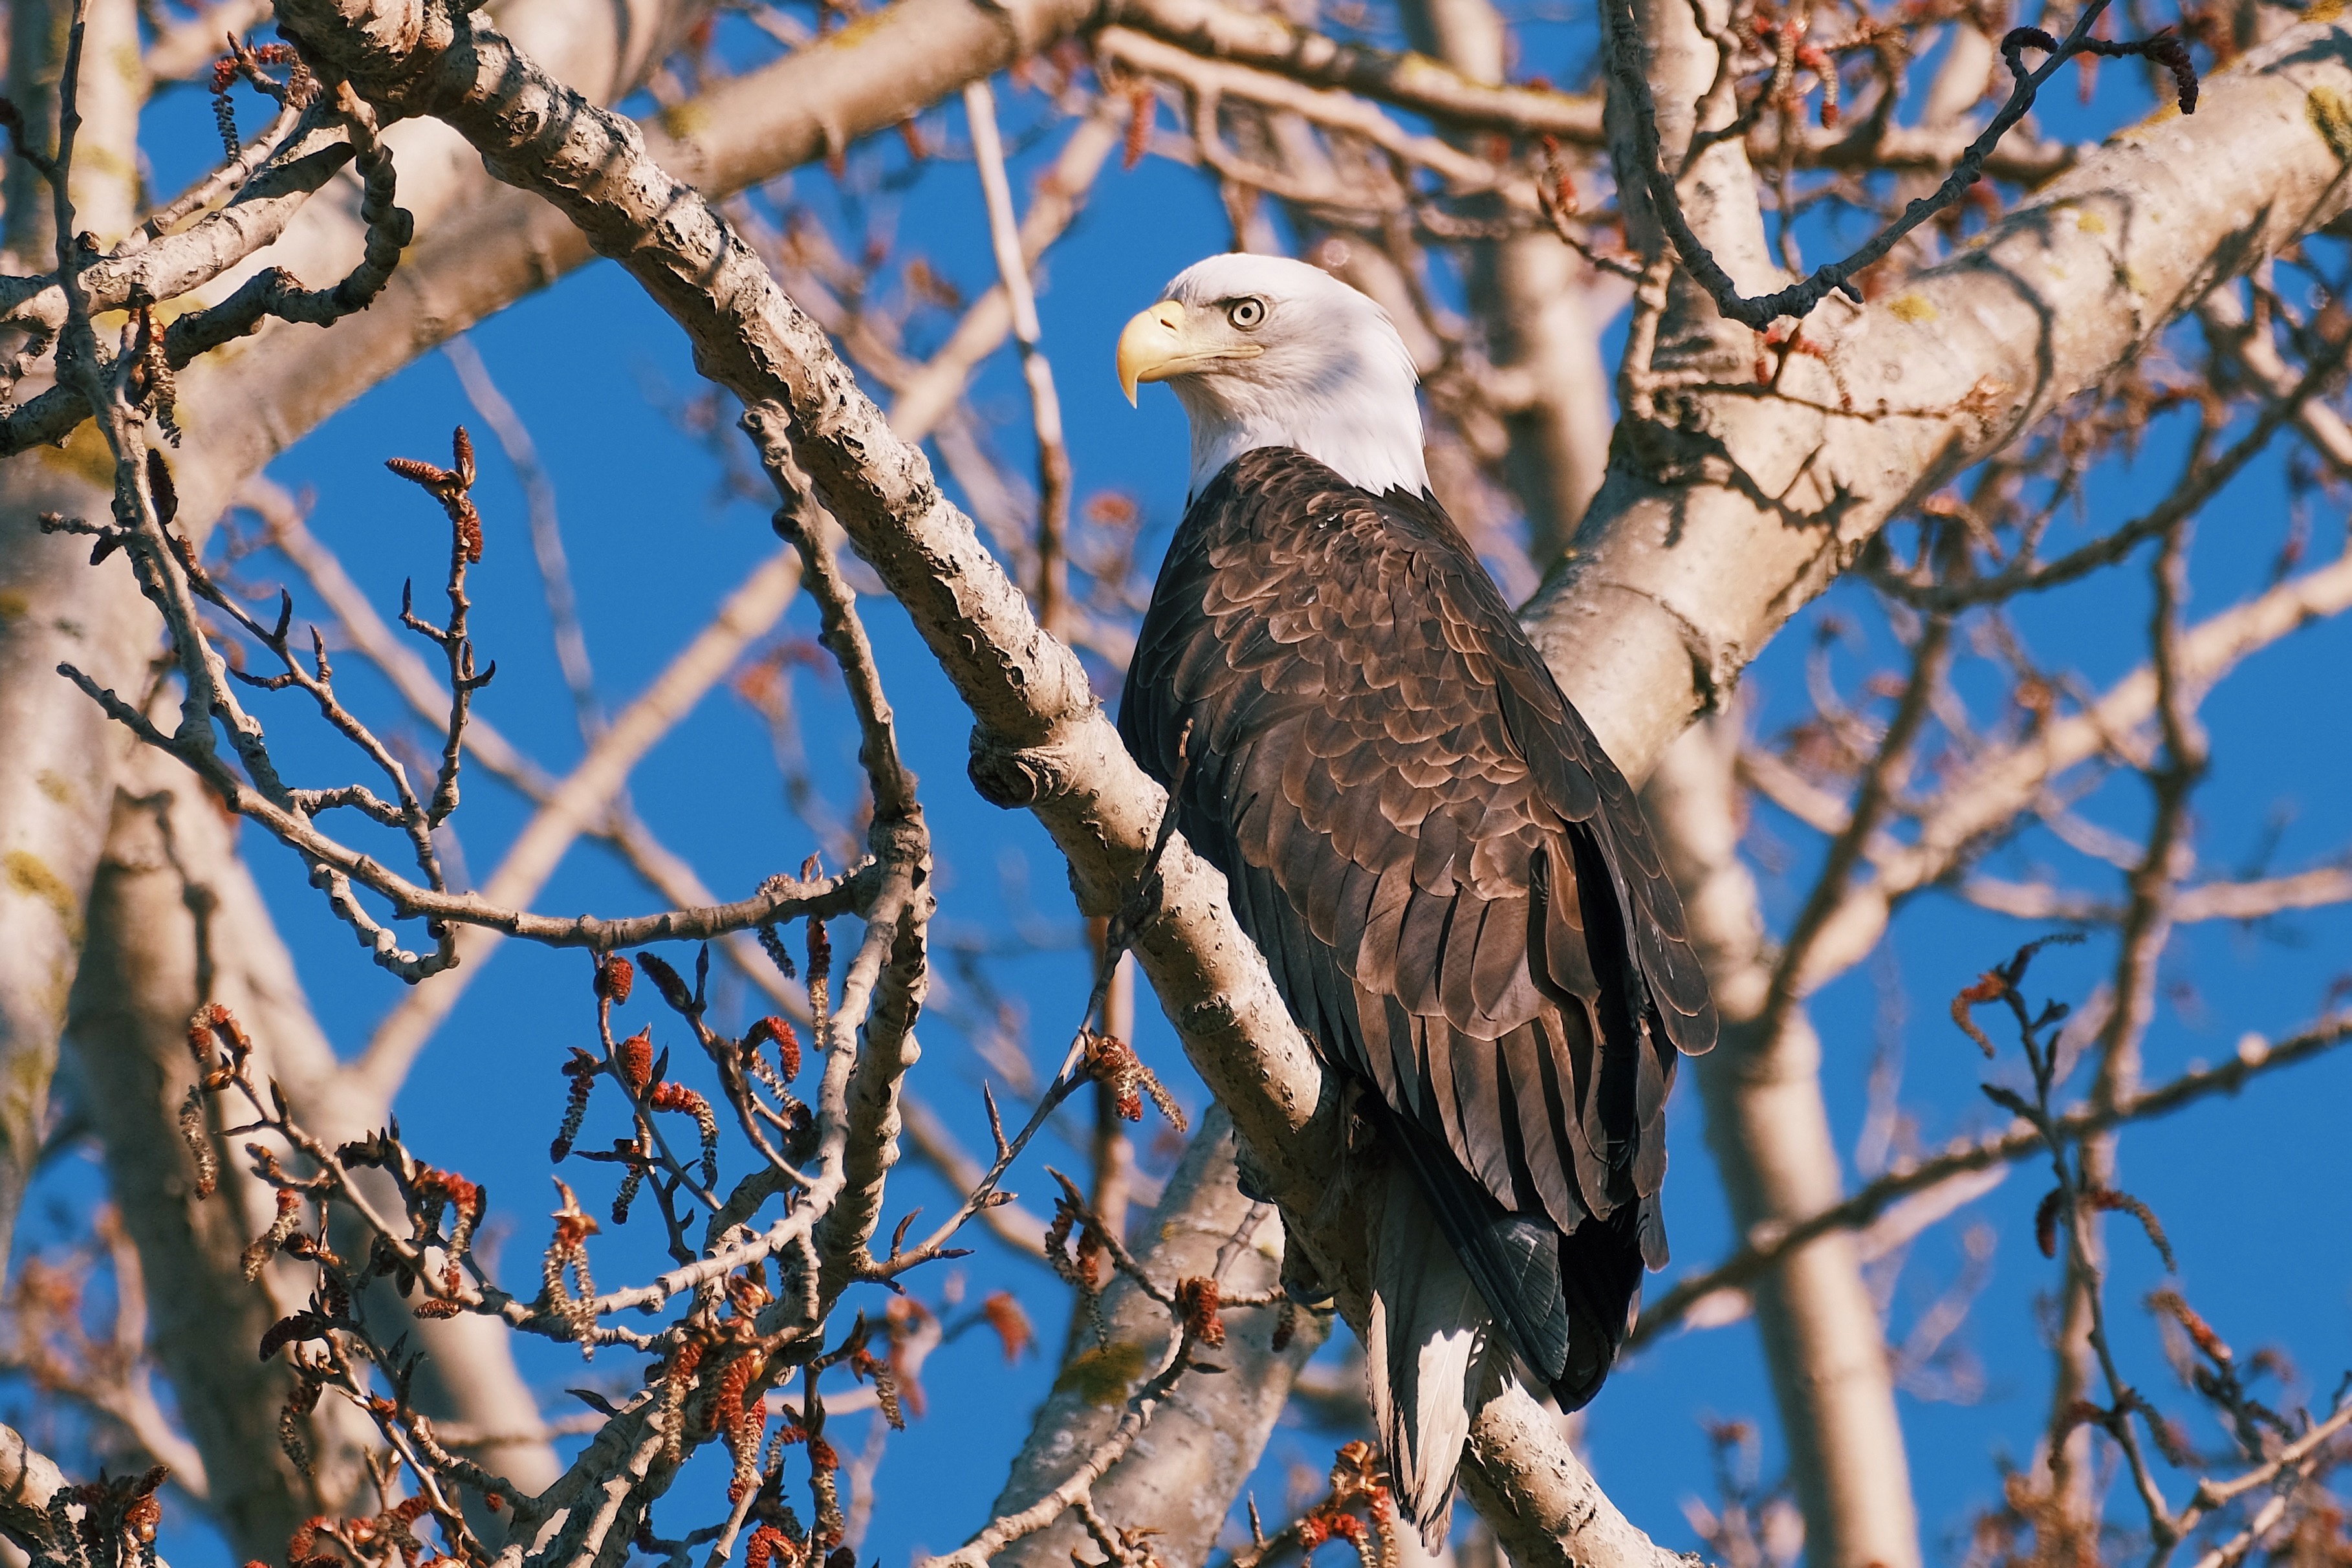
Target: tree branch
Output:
{"points": [[1716, 525]]}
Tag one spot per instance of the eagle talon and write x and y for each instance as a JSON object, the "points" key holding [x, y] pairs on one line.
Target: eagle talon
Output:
{"points": [[1250, 1179], [1300, 1281]]}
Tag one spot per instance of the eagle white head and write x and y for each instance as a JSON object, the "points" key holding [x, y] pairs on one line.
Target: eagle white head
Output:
{"points": [[1266, 352]]}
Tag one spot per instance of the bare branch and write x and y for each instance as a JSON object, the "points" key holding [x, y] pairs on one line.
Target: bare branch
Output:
{"points": [[2255, 1057], [1044, 403]]}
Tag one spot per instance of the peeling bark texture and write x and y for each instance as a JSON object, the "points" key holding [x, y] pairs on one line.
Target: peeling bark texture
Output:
{"points": [[1726, 510], [1191, 1461], [175, 919], [1768, 1128]]}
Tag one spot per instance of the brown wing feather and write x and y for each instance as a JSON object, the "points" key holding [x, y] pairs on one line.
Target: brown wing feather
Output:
{"points": [[1453, 885]]}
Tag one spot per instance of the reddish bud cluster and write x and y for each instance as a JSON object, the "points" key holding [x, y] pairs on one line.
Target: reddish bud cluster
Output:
{"points": [[677, 1382], [258, 1252], [1197, 1300], [679, 1097], [293, 1328], [2045, 1221], [865, 1364], [2200, 1332], [635, 1059], [1355, 1478], [770, 1547], [439, 1189], [573, 1224], [2108, 1200], [1989, 986], [1285, 1325], [788, 1043], [672, 987], [820, 945], [742, 1417], [448, 485], [1113, 1063], [439, 1186], [569, 1250], [112, 1510], [1012, 1325], [302, 1546], [1111, 509], [614, 977], [582, 1070], [1082, 1266], [1140, 113], [214, 1023]]}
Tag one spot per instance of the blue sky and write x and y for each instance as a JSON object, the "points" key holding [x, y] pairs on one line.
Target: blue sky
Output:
{"points": [[2252, 1190]]}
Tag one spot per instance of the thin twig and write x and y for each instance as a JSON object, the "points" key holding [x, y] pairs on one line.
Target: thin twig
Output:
{"points": [[1053, 587], [1628, 72]]}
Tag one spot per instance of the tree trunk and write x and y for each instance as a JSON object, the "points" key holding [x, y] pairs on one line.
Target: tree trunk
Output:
{"points": [[1769, 1132]]}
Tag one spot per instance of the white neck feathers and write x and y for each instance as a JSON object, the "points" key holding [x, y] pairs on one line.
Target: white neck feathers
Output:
{"points": [[1373, 442]]}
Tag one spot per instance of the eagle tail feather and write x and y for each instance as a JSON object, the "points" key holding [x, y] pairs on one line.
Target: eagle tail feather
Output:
{"points": [[1430, 1356], [1565, 1302]]}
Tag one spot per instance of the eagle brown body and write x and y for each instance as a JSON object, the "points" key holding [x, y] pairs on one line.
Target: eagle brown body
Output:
{"points": [[1452, 883]]}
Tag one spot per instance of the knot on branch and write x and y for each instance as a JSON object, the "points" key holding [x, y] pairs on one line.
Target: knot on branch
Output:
{"points": [[1016, 777]]}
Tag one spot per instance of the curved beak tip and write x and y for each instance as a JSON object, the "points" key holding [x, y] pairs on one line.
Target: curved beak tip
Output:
{"points": [[1148, 345]]}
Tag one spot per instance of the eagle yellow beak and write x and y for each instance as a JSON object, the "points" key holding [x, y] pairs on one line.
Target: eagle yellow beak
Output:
{"points": [[1161, 342], [1151, 347]]}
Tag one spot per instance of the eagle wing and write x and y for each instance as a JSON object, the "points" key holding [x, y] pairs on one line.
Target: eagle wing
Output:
{"points": [[1451, 882]]}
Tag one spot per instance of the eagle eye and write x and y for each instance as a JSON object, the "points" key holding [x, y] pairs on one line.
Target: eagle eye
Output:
{"points": [[1246, 313]]}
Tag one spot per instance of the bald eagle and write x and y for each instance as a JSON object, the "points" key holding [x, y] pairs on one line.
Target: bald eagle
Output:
{"points": [[1452, 883]]}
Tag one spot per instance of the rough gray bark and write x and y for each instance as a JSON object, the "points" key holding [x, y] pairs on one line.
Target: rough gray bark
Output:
{"points": [[1768, 1128], [1185, 1471]]}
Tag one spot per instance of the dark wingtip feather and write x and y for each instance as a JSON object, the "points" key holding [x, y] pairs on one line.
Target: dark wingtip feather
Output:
{"points": [[1601, 1276]]}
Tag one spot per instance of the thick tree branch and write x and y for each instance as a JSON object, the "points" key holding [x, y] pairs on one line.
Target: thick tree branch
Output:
{"points": [[1717, 523]]}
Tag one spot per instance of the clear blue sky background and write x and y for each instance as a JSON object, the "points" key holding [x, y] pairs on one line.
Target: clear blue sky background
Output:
{"points": [[2252, 1190]]}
